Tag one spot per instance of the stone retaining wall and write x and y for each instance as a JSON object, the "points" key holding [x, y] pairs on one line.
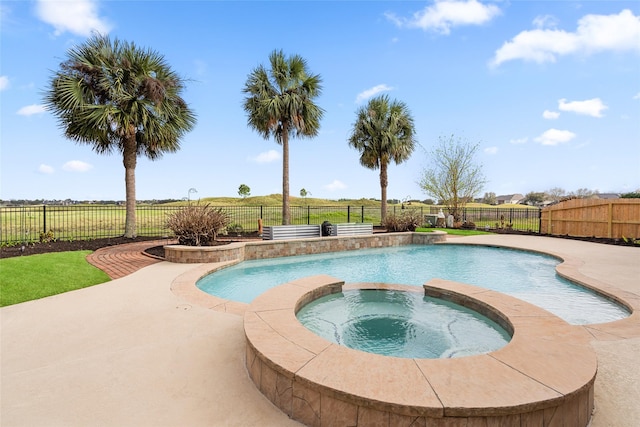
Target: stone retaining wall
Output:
{"points": [[279, 248]]}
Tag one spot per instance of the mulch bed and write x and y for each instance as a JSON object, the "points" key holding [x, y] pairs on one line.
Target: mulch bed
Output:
{"points": [[92, 245], [158, 251], [603, 240], [64, 246], [155, 251]]}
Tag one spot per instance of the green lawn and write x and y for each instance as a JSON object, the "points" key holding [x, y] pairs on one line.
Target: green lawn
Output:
{"points": [[38, 276], [453, 231]]}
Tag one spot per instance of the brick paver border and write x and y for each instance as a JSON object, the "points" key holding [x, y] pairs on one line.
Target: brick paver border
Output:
{"points": [[121, 260]]}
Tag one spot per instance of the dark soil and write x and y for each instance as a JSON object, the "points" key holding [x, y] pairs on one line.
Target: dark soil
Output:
{"points": [[603, 240], [158, 251], [64, 246], [92, 245]]}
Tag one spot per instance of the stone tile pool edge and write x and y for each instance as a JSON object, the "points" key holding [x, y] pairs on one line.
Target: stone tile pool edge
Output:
{"points": [[214, 258], [184, 286], [544, 376]]}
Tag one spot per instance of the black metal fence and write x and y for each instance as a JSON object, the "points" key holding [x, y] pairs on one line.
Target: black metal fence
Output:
{"points": [[520, 219], [85, 222]]}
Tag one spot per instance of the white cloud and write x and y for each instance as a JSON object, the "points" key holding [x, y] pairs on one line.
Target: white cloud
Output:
{"points": [[4, 83], [446, 14], [555, 137], [75, 16], [368, 93], [491, 150], [550, 115], [46, 169], [519, 140], [637, 96], [30, 110], [545, 21], [595, 33], [266, 157], [76, 166], [335, 185], [590, 107]]}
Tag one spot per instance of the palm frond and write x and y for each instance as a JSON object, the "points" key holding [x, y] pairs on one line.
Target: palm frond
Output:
{"points": [[107, 87]]}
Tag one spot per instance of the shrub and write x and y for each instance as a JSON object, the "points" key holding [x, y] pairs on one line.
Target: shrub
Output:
{"points": [[198, 225], [468, 225], [234, 228], [47, 237], [408, 220], [391, 222]]}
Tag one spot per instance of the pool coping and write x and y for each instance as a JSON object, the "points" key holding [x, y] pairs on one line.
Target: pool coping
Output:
{"points": [[547, 370], [184, 286]]}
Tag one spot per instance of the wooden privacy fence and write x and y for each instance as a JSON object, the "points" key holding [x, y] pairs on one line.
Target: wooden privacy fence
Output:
{"points": [[613, 219]]}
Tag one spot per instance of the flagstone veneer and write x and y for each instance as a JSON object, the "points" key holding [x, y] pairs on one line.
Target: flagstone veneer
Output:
{"points": [[241, 251]]}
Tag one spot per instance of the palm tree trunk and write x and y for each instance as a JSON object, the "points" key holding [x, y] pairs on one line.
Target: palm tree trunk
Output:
{"points": [[384, 181], [286, 220], [130, 158]]}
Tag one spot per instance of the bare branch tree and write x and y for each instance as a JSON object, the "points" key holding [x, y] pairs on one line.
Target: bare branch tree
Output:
{"points": [[454, 178]]}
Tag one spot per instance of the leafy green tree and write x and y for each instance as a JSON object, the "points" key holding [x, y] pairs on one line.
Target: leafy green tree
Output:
{"points": [[279, 103], [244, 190], [118, 97], [632, 195], [490, 198], [383, 133], [534, 198], [454, 178]]}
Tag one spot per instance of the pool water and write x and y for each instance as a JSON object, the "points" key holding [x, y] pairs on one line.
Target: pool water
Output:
{"points": [[526, 275], [401, 324]]}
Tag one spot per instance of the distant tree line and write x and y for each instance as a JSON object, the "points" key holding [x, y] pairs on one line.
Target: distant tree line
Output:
{"points": [[27, 202], [556, 194]]}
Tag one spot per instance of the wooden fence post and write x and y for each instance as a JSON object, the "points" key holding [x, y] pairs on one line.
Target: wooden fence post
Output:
{"points": [[610, 225]]}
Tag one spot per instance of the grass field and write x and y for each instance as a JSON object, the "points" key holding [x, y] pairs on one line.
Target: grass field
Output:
{"points": [[38, 276]]}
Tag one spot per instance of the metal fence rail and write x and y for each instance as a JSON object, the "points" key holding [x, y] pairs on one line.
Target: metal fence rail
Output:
{"points": [[521, 219], [85, 222]]}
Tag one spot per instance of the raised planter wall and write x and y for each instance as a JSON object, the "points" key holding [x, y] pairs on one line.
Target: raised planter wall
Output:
{"points": [[279, 248]]}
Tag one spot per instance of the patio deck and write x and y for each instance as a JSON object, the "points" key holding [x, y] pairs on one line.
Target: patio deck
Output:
{"points": [[132, 352]]}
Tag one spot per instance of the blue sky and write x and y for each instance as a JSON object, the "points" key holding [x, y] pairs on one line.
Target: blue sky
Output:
{"points": [[549, 89]]}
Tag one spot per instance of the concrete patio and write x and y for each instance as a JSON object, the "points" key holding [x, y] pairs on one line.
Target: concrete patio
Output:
{"points": [[130, 352]]}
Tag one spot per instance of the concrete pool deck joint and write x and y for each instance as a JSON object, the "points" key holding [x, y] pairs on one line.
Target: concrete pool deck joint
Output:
{"points": [[544, 376]]}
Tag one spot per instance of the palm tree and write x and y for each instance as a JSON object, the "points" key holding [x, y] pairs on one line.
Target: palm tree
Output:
{"points": [[117, 97], [279, 103], [383, 132]]}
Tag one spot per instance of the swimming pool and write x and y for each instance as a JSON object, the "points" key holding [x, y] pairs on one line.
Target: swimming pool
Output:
{"points": [[401, 324], [526, 275]]}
